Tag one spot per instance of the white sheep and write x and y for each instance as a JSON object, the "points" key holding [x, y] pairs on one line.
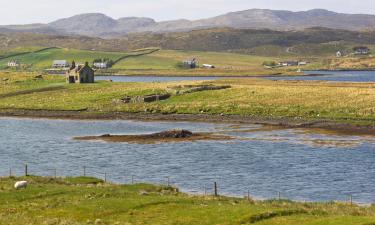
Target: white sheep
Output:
{"points": [[20, 185]]}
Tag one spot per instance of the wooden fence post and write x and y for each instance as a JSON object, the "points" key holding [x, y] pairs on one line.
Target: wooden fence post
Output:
{"points": [[26, 171], [215, 186], [279, 193], [10, 172], [132, 179], [351, 199], [248, 195], [105, 177], [84, 171]]}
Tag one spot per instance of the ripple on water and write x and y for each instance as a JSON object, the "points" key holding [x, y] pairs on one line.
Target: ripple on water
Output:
{"points": [[302, 164]]}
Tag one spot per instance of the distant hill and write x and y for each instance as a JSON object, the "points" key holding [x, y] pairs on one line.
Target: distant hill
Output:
{"points": [[100, 25], [312, 41]]}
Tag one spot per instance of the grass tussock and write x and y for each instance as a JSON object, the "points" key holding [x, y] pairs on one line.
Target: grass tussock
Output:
{"points": [[84, 200], [351, 102]]}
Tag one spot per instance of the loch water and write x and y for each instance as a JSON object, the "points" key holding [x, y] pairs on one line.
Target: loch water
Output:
{"points": [[304, 165]]}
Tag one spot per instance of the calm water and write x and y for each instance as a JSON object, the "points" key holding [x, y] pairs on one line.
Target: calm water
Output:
{"points": [[301, 165], [151, 78], [344, 76]]}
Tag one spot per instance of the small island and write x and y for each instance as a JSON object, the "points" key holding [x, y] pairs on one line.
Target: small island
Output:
{"points": [[160, 137]]}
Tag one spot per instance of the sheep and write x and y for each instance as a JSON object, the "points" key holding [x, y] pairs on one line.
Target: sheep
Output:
{"points": [[20, 184]]}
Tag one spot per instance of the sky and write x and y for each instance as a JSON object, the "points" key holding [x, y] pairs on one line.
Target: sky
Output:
{"points": [[44, 11]]}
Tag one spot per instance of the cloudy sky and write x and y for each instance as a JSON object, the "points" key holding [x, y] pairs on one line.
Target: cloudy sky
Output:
{"points": [[36, 11]]}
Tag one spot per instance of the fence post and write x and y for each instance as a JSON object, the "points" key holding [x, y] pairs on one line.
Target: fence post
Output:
{"points": [[351, 199], [105, 177], [279, 193], [10, 172], [84, 171], [132, 179], [55, 170], [26, 171], [215, 186], [205, 191], [168, 182], [248, 195]]}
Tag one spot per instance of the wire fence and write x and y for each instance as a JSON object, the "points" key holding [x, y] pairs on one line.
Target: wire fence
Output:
{"points": [[212, 189]]}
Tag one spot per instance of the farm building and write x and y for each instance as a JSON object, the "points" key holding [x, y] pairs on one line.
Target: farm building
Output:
{"points": [[60, 64], [80, 74], [361, 50], [293, 63], [100, 65], [191, 64], [288, 63], [339, 54], [13, 63]]}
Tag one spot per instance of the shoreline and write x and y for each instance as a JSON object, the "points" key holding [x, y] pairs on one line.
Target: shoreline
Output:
{"points": [[200, 75], [195, 193], [338, 127]]}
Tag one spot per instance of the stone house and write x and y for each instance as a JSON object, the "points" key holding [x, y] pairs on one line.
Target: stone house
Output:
{"points": [[80, 74], [191, 64]]}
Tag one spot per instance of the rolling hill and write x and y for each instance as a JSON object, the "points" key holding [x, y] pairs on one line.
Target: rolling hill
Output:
{"points": [[42, 58], [312, 41], [100, 25]]}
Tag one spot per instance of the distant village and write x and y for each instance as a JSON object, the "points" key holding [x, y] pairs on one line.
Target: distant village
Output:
{"points": [[84, 73], [356, 51]]}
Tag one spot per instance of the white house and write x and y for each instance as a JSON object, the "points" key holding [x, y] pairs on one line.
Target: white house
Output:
{"points": [[101, 65], [60, 64], [361, 50], [13, 63], [339, 54]]}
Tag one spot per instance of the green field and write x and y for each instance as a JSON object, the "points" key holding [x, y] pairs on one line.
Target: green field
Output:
{"points": [[19, 50], [43, 59], [149, 61], [168, 59], [349, 102], [166, 62], [84, 200]]}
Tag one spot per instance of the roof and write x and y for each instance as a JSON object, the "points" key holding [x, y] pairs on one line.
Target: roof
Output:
{"points": [[83, 67], [361, 48], [60, 62]]}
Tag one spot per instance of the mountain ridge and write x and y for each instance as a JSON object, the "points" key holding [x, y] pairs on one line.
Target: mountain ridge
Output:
{"points": [[101, 25]]}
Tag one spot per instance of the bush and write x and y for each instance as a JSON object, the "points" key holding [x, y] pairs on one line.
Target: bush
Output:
{"points": [[269, 63]]}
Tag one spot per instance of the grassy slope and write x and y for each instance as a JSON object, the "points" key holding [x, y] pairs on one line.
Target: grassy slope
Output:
{"points": [[89, 200], [43, 59], [165, 62], [18, 50], [269, 99], [168, 59]]}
